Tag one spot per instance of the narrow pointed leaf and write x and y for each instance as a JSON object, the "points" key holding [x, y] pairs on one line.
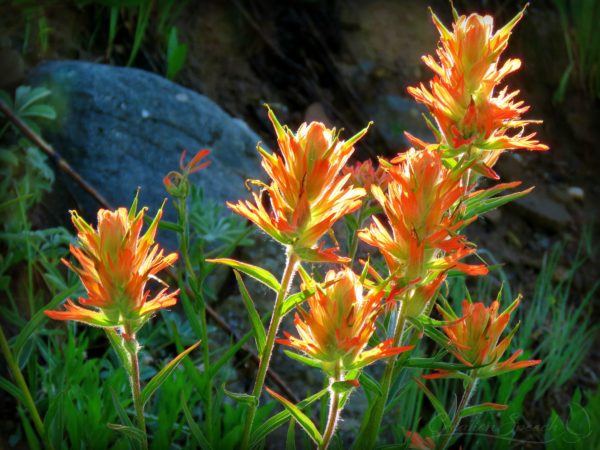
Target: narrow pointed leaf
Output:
{"points": [[35, 323], [484, 407], [436, 404], [259, 274], [194, 428], [296, 299], [257, 326], [241, 398], [342, 387], [279, 419], [370, 384], [303, 359], [164, 373], [303, 420], [131, 432]]}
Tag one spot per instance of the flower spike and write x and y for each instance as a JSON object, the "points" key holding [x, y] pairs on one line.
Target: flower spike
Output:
{"points": [[116, 263], [474, 339], [340, 323], [307, 194]]}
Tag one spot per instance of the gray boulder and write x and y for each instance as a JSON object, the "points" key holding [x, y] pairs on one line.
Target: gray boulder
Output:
{"points": [[121, 128]]}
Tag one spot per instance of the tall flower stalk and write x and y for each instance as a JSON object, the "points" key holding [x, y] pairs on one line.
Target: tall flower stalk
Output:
{"points": [[116, 263], [334, 335], [431, 195], [307, 195]]}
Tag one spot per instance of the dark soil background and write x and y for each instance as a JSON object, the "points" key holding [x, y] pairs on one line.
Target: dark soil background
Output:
{"points": [[339, 62]]}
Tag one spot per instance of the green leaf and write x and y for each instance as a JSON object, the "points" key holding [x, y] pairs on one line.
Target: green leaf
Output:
{"points": [[304, 421], [169, 226], [35, 323], [124, 418], [342, 387], [436, 404], [370, 384], [12, 389], [241, 398], [25, 97], [31, 436], [164, 373], [129, 431], [484, 407], [296, 299], [279, 419], [176, 54], [303, 359], [257, 326], [290, 441], [194, 428], [430, 363], [42, 111], [215, 367], [259, 274]]}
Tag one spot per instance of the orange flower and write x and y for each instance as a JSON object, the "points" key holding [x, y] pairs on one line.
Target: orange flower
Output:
{"points": [[364, 175], [473, 339], [307, 194], [462, 96], [177, 183], [420, 206], [116, 263], [340, 323]]}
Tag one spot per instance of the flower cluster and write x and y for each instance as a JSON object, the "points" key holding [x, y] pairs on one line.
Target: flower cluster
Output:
{"points": [[340, 323], [420, 205], [116, 264], [471, 116], [307, 194], [473, 339]]}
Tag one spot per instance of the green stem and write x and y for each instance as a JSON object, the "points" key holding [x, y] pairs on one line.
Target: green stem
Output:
{"points": [[369, 434], [464, 401], [134, 377], [20, 380], [265, 357], [334, 411]]}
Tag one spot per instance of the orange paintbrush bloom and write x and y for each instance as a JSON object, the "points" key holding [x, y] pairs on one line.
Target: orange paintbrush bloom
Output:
{"points": [[116, 263], [470, 114], [307, 193], [340, 323], [421, 208], [177, 183], [473, 339]]}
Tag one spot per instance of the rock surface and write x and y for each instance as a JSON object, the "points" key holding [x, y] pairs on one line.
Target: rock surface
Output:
{"points": [[121, 128]]}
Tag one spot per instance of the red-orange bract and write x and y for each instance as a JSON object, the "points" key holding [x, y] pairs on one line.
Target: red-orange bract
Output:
{"points": [[339, 324], [420, 205], [470, 115], [364, 175], [307, 193], [116, 263], [418, 442], [473, 339]]}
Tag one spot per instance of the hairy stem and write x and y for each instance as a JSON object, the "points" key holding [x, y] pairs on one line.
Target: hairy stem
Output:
{"points": [[334, 411], [464, 401], [265, 357], [134, 377]]}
